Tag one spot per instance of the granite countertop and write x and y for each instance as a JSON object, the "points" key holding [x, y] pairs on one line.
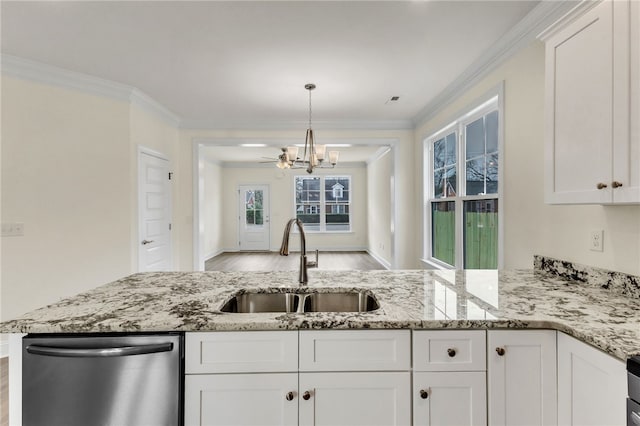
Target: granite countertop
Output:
{"points": [[470, 299]]}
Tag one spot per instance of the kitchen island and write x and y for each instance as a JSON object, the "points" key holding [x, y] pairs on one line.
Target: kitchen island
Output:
{"points": [[411, 299], [432, 331]]}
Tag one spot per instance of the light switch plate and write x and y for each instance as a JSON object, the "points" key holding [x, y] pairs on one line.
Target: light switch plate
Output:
{"points": [[13, 229]]}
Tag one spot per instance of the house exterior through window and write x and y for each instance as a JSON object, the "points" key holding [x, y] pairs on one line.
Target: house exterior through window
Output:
{"points": [[323, 202], [462, 165]]}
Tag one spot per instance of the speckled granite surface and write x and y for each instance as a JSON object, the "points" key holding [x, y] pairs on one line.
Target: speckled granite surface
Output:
{"points": [[408, 299]]}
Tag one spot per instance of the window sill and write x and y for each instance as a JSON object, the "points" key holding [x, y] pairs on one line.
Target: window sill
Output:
{"points": [[431, 264]]}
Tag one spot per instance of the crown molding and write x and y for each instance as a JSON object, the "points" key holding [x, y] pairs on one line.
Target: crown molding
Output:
{"points": [[567, 18], [517, 38], [271, 164], [28, 69], [381, 152], [290, 125]]}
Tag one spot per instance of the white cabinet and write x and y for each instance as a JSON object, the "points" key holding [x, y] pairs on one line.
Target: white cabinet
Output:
{"points": [[345, 377], [352, 399], [521, 372], [241, 399], [449, 377], [449, 398], [592, 386], [355, 377], [247, 378], [591, 156]]}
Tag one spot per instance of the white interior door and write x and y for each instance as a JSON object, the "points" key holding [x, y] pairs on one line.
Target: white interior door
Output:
{"points": [[154, 213], [254, 217]]}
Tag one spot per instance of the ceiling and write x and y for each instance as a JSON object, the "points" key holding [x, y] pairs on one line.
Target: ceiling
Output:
{"points": [[244, 64], [239, 63]]}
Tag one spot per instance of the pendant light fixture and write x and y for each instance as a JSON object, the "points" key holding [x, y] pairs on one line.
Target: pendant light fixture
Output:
{"points": [[313, 156]]}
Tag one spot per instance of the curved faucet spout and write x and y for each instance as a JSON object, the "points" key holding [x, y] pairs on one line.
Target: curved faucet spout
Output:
{"points": [[284, 249]]}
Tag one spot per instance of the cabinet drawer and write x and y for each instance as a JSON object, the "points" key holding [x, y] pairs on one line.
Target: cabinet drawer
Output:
{"points": [[241, 352], [355, 350], [455, 350]]}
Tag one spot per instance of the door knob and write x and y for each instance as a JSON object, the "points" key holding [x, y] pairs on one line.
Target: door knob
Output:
{"points": [[306, 395], [601, 185], [500, 351], [289, 396], [451, 352], [424, 394], [616, 184], [145, 242]]}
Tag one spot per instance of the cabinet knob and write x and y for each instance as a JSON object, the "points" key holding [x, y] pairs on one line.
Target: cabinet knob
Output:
{"points": [[500, 351], [424, 394], [451, 352], [616, 184], [601, 185], [289, 396], [306, 395]]}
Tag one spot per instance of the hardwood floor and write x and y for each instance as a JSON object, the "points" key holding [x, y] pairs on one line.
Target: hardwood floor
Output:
{"points": [[4, 391], [272, 261]]}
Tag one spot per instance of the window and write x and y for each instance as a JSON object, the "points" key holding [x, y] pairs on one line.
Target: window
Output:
{"points": [[323, 202], [462, 191]]}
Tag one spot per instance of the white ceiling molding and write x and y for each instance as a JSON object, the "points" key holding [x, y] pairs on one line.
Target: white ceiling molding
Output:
{"points": [[27, 69], [378, 154], [289, 125], [270, 165], [569, 17], [279, 142], [517, 38]]}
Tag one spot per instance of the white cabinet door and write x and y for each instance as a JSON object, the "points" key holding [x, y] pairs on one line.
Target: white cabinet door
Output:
{"points": [[449, 399], [352, 399], [592, 152], [521, 374], [241, 399], [592, 386], [628, 161], [579, 109]]}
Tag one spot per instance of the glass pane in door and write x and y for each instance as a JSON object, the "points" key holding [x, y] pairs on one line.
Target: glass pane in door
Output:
{"points": [[254, 208]]}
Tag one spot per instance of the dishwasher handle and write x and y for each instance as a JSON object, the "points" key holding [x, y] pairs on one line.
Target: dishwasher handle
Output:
{"points": [[99, 352]]}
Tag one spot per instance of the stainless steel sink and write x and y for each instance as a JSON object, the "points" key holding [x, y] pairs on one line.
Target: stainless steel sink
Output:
{"points": [[289, 302], [340, 302], [247, 303]]}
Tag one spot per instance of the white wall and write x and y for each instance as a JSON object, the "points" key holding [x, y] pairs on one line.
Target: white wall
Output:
{"points": [[379, 207], [282, 207], [212, 209], [149, 131], [66, 175], [532, 227], [406, 255]]}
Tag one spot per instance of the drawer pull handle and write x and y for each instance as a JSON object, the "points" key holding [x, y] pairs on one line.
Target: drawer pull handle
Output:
{"points": [[500, 351], [451, 352], [306, 395], [289, 396], [616, 184], [601, 185], [424, 394]]}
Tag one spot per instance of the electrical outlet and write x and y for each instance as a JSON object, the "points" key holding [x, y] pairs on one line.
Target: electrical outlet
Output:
{"points": [[596, 240]]}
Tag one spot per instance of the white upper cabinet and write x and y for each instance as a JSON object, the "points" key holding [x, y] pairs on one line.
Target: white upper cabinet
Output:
{"points": [[591, 150]]}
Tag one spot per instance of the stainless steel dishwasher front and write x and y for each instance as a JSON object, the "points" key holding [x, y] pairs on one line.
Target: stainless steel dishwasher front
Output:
{"points": [[103, 380]]}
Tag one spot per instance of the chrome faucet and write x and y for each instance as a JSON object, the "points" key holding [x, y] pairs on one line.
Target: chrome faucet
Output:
{"points": [[284, 249]]}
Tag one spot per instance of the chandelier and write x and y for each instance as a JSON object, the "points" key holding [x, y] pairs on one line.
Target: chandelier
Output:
{"points": [[313, 156]]}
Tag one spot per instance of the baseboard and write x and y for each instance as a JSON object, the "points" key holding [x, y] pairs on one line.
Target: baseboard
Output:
{"points": [[213, 254], [383, 262]]}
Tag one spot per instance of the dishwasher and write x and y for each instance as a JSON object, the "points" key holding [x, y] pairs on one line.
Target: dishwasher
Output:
{"points": [[103, 379]]}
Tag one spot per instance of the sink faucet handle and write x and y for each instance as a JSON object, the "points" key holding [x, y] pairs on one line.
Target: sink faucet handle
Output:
{"points": [[313, 263]]}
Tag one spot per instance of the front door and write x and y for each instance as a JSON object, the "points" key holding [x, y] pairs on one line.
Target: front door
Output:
{"points": [[154, 211], [254, 217]]}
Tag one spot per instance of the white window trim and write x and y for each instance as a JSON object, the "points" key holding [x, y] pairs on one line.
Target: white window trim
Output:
{"points": [[477, 109], [322, 204]]}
